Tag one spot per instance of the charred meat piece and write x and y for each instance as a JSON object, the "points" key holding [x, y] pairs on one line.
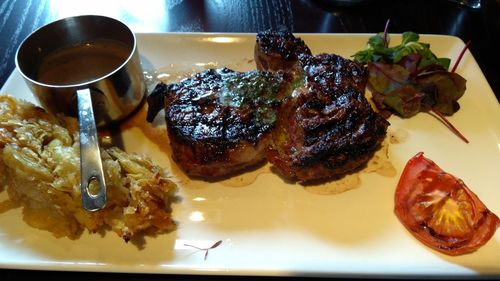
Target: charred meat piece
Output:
{"points": [[219, 120], [278, 50], [331, 74], [326, 128]]}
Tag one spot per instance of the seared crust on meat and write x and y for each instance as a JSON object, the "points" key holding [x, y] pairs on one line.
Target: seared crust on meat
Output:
{"points": [[331, 74], [219, 120], [323, 137], [278, 50], [326, 128]]}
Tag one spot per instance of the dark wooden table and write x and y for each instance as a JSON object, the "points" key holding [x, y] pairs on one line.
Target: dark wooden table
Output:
{"points": [[481, 26]]}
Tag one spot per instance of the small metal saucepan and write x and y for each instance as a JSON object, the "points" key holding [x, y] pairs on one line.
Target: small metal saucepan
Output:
{"points": [[87, 67]]}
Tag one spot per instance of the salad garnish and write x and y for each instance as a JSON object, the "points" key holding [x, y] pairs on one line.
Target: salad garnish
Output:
{"points": [[409, 78]]}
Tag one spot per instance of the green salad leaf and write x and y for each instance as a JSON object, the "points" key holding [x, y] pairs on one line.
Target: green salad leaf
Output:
{"points": [[377, 51]]}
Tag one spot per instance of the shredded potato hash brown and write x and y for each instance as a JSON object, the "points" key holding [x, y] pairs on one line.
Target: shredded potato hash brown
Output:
{"points": [[40, 171]]}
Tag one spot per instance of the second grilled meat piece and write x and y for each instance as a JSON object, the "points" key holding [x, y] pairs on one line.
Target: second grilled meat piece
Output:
{"points": [[219, 120], [326, 128]]}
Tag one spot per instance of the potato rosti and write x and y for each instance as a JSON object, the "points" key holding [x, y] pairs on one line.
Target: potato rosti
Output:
{"points": [[40, 170]]}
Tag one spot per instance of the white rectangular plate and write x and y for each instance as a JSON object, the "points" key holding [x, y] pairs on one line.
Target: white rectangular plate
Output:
{"points": [[269, 227]]}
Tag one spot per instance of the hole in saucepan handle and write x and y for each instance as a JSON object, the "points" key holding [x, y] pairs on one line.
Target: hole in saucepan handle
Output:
{"points": [[93, 185]]}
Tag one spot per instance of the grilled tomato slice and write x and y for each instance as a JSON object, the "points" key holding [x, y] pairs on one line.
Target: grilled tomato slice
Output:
{"points": [[440, 210]]}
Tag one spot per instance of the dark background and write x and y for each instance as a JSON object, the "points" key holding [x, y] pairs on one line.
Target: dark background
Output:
{"points": [[481, 26]]}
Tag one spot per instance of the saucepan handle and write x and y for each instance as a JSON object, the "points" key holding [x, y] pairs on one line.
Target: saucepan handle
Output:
{"points": [[93, 184]]}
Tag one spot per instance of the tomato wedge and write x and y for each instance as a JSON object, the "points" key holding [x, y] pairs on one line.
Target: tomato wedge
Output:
{"points": [[440, 210]]}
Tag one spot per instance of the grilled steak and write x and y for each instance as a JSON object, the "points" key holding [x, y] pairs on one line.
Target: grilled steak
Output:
{"points": [[219, 120], [308, 115], [326, 127]]}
